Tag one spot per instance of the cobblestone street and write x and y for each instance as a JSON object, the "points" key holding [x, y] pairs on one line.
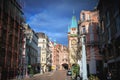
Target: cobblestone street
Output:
{"points": [[55, 75], [59, 39]]}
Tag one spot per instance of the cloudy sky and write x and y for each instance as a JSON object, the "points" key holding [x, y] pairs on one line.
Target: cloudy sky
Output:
{"points": [[53, 16]]}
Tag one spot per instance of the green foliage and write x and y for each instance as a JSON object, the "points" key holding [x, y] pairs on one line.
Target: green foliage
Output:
{"points": [[91, 77], [75, 69], [31, 71]]}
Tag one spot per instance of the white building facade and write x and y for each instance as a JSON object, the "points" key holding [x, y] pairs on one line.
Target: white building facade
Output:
{"points": [[43, 43]]}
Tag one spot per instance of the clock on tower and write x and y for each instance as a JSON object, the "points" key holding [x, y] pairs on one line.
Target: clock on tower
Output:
{"points": [[73, 42]]}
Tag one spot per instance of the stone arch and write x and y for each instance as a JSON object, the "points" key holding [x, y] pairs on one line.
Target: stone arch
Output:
{"points": [[65, 66]]}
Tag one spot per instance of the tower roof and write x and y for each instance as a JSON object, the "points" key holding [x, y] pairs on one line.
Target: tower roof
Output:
{"points": [[74, 22]]}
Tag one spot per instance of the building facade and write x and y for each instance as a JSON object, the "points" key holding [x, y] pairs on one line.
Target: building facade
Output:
{"points": [[109, 36], [53, 66], [38, 60], [31, 49], [88, 26], [59, 56], [11, 18], [43, 43], [56, 55], [63, 58]]}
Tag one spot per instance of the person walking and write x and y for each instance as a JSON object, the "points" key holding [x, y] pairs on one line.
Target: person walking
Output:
{"points": [[18, 73], [109, 76]]}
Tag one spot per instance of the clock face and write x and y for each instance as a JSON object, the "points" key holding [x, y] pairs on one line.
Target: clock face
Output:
{"points": [[73, 42]]}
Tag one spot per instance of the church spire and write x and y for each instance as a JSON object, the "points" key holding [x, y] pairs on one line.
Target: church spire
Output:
{"points": [[74, 21]]}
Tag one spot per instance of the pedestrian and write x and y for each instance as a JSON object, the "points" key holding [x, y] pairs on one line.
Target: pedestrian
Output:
{"points": [[18, 73], [109, 76], [22, 73], [78, 77]]}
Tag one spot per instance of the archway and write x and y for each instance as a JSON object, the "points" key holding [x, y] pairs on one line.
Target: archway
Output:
{"points": [[65, 66]]}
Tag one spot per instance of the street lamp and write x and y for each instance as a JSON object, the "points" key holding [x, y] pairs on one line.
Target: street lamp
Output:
{"points": [[84, 66], [82, 56]]}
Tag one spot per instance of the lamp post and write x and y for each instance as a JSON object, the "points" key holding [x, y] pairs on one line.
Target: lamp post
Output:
{"points": [[84, 66], [82, 56]]}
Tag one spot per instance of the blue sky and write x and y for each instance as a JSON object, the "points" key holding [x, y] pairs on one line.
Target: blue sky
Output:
{"points": [[53, 16]]}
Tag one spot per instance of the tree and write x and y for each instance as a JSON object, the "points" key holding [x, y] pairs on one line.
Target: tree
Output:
{"points": [[75, 70]]}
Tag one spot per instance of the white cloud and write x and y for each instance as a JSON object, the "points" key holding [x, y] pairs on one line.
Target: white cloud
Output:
{"points": [[54, 27]]}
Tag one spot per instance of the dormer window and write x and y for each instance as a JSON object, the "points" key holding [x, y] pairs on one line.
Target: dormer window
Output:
{"points": [[83, 17]]}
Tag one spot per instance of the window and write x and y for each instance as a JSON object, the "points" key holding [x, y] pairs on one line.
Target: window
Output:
{"points": [[43, 41], [66, 60], [102, 26], [118, 50], [84, 31], [108, 19], [84, 39], [109, 34], [83, 17], [42, 59], [88, 17], [118, 24]]}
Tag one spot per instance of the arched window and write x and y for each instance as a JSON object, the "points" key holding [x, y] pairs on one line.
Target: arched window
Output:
{"points": [[83, 30]]}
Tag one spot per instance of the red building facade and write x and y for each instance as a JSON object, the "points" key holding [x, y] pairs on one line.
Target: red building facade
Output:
{"points": [[88, 26], [10, 37], [109, 36], [59, 56]]}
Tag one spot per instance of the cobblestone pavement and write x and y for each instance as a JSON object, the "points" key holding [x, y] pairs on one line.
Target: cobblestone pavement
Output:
{"points": [[55, 75]]}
